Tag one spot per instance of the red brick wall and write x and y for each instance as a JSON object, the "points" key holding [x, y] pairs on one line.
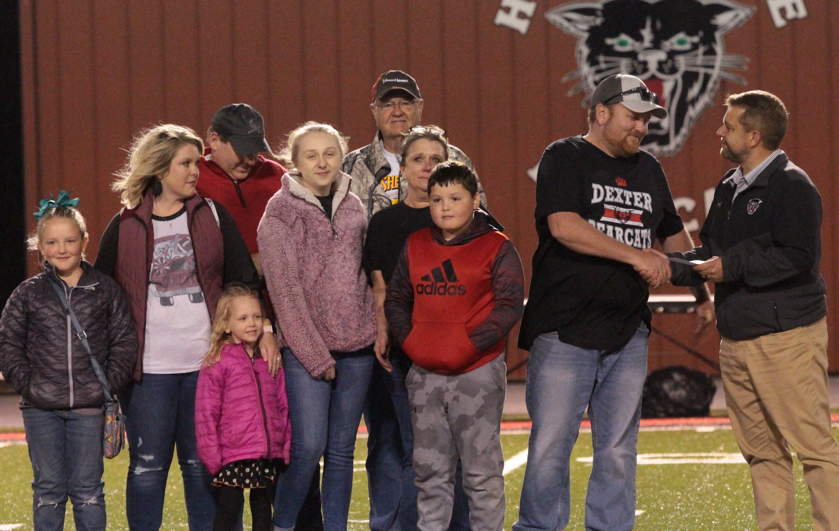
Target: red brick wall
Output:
{"points": [[96, 71]]}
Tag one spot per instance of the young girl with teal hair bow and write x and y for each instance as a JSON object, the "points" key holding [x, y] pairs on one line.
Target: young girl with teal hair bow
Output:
{"points": [[46, 361]]}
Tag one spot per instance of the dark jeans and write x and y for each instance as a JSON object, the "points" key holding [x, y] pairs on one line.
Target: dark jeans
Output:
{"points": [[386, 464], [160, 413], [65, 448]]}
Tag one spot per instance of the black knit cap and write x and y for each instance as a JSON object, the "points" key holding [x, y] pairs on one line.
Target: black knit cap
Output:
{"points": [[243, 126]]}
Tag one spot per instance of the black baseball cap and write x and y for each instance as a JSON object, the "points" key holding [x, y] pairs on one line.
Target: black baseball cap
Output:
{"points": [[395, 80], [243, 126], [631, 92]]}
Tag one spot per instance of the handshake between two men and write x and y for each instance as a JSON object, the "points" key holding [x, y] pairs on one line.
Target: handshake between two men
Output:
{"points": [[654, 267]]}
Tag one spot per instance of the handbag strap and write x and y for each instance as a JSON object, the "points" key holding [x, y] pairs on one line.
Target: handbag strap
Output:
{"points": [[83, 338]]}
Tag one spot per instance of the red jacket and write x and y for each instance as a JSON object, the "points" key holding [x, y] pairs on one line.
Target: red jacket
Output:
{"points": [[241, 411], [256, 189], [451, 304]]}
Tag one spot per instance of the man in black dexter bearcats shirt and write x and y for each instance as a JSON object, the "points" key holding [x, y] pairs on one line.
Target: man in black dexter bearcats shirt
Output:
{"points": [[601, 204]]}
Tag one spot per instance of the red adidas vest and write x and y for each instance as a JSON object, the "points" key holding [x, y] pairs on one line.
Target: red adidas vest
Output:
{"points": [[452, 296]]}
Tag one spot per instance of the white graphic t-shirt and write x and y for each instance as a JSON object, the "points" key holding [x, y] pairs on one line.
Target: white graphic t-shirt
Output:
{"points": [[391, 182], [177, 320]]}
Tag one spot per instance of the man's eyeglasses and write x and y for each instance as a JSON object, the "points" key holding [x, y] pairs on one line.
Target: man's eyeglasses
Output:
{"points": [[645, 93], [404, 105], [427, 129]]}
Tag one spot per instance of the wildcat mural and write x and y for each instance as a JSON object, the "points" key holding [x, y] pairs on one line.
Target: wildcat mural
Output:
{"points": [[675, 46]]}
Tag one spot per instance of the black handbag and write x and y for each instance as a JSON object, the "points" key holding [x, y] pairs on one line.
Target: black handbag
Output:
{"points": [[113, 438]]}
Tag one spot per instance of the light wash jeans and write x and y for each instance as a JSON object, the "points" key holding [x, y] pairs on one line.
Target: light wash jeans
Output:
{"points": [[562, 380], [65, 448]]}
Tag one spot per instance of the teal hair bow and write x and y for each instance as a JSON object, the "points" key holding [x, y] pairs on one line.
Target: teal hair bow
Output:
{"points": [[51, 203]]}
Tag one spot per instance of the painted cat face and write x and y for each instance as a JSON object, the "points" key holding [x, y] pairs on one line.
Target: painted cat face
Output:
{"points": [[675, 46]]}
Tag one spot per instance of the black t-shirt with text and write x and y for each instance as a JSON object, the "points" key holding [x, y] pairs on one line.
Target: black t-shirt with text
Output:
{"points": [[592, 302], [387, 233]]}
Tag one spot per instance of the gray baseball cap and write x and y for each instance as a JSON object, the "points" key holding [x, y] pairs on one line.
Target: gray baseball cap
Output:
{"points": [[631, 92]]}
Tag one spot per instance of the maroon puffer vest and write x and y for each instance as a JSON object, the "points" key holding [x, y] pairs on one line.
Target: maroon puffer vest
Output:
{"points": [[134, 259]]}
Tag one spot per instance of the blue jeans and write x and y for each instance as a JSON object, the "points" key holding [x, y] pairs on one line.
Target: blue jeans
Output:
{"points": [[65, 448], [324, 423], [385, 454], [562, 380], [160, 413]]}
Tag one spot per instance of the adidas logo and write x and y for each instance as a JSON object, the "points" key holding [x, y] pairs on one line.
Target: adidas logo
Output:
{"points": [[440, 282]]}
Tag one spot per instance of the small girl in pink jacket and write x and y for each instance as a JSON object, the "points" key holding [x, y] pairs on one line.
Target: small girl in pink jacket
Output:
{"points": [[241, 413]]}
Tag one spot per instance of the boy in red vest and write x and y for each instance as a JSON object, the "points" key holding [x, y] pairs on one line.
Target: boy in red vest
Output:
{"points": [[456, 293]]}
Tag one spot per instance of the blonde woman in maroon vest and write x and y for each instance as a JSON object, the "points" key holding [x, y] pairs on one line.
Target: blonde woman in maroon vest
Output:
{"points": [[456, 293], [310, 240], [172, 252]]}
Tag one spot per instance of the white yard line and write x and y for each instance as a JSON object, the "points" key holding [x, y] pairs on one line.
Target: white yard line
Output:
{"points": [[520, 459], [515, 462], [716, 458]]}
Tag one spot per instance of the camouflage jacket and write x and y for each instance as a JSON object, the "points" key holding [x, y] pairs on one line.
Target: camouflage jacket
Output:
{"points": [[368, 166]]}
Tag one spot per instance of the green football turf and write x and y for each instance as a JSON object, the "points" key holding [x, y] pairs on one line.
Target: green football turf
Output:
{"points": [[671, 496]]}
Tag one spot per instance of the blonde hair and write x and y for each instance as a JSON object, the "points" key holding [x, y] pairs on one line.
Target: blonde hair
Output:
{"points": [[58, 212], [149, 158], [291, 150], [219, 336]]}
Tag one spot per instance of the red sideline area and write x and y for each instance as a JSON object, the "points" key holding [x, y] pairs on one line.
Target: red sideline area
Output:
{"points": [[520, 425]]}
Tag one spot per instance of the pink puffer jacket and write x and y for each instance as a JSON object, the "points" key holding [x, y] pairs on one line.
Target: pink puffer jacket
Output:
{"points": [[241, 411]]}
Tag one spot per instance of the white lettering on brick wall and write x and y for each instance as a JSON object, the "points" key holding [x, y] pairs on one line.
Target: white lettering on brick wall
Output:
{"points": [[515, 14], [793, 9]]}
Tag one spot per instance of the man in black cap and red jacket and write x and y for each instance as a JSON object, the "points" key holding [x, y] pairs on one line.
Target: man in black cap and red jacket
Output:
{"points": [[234, 173]]}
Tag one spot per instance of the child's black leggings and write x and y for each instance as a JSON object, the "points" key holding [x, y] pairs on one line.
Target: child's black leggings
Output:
{"points": [[231, 501]]}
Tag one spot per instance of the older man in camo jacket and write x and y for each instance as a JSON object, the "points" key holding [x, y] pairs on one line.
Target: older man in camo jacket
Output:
{"points": [[397, 107]]}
